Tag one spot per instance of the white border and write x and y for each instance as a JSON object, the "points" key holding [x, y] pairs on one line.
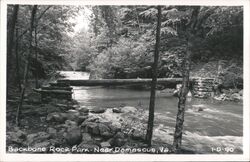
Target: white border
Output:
{"points": [[125, 157]]}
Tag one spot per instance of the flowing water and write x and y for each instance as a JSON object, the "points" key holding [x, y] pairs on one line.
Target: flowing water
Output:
{"points": [[217, 129]]}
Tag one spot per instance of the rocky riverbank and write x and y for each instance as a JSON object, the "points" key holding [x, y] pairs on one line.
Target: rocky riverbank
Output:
{"points": [[62, 126], [235, 95]]}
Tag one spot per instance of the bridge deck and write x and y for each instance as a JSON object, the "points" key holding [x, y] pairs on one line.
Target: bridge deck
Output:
{"points": [[114, 82]]}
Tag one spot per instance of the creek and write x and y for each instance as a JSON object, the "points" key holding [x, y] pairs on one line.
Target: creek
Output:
{"points": [[216, 129]]}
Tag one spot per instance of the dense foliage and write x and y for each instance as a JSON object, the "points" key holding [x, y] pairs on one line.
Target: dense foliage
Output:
{"points": [[127, 51], [120, 41], [51, 45]]}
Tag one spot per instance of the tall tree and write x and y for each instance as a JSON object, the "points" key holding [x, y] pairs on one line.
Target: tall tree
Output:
{"points": [[154, 80], [18, 79], [190, 31], [12, 25], [25, 78], [36, 57]]}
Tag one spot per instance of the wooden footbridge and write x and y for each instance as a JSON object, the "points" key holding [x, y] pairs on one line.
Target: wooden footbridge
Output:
{"points": [[202, 87], [169, 82]]}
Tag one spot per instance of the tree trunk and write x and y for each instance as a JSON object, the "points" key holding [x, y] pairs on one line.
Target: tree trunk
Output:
{"points": [[26, 66], [17, 63], [11, 32], [36, 77], [181, 102], [154, 81], [190, 30]]}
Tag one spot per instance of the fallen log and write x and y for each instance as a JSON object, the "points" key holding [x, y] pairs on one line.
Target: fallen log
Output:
{"points": [[168, 82]]}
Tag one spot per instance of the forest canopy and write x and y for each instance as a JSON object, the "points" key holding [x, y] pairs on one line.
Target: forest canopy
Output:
{"points": [[119, 40]]}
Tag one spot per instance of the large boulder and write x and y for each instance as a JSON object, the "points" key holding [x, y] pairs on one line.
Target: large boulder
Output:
{"points": [[73, 136], [81, 119], [115, 127], [72, 114], [117, 110], [36, 138], [86, 137], [83, 109], [198, 108], [98, 110], [105, 131], [118, 140], [56, 117], [236, 97], [70, 124], [17, 137], [90, 127], [138, 135], [127, 109]]}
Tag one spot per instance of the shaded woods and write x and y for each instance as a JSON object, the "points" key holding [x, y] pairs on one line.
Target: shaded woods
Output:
{"points": [[125, 42]]}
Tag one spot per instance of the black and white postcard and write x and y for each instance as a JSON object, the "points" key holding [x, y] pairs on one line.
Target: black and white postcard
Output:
{"points": [[124, 80]]}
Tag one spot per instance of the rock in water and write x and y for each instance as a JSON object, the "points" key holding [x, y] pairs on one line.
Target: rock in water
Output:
{"points": [[81, 119], [235, 97], [98, 110], [83, 109], [198, 108], [73, 136], [129, 109], [117, 110]]}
